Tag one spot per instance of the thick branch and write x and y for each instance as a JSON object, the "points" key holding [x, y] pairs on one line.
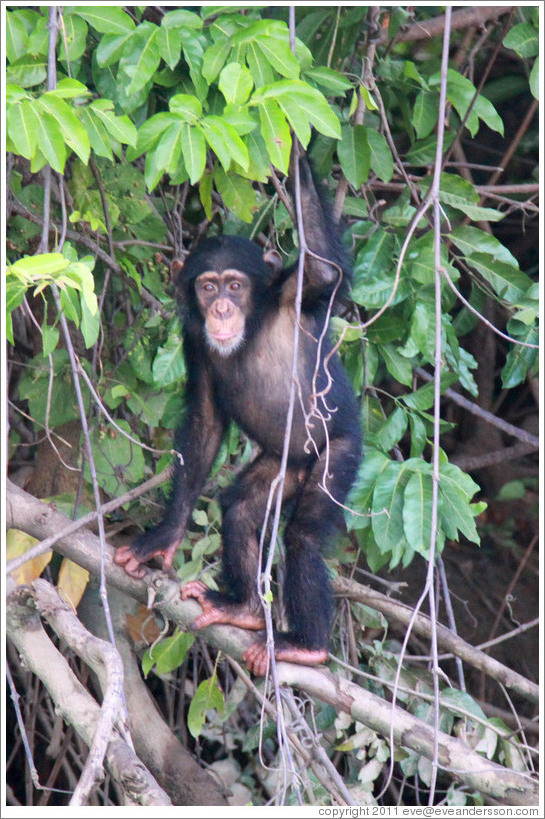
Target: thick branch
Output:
{"points": [[470, 17], [39, 519], [72, 701]]}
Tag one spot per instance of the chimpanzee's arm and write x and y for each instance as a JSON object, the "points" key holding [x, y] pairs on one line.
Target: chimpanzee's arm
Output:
{"points": [[198, 441], [326, 262]]}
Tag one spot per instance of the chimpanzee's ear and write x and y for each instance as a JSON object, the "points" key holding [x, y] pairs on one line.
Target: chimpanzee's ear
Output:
{"points": [[273, 259], [175, 268]]}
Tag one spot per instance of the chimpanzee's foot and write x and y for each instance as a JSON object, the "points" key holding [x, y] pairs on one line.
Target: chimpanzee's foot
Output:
{"points": [[257, 656], [135, 565], [217, 609]]}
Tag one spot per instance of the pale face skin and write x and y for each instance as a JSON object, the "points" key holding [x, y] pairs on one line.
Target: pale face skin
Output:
{"points": [[224, 300]]}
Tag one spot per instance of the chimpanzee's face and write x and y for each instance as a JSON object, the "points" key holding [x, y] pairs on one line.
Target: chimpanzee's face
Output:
{"points": [[224, 300]]}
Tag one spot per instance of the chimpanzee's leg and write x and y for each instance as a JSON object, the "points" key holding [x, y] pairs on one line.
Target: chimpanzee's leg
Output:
{"points": [[243, 505], [308, 597]]}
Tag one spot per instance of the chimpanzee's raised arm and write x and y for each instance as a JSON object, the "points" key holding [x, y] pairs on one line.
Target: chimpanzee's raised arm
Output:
{"points": [[326, 262]]}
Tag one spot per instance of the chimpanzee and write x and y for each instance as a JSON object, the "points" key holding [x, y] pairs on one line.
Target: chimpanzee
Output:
{"points": [[238, 315]]}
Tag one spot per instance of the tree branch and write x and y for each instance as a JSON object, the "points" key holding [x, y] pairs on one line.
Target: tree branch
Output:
{"points": [[72, 701], [40, 519]]}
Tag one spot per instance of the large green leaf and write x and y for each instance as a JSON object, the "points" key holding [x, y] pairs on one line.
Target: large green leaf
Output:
{"points": [[97, 133], [277, 51], [121, 128], [236, 83], [106, 19], [361, 495], [472, 240], [382, 161], [417, 511], [425, 113], [523, 38], [457, 513], [22, 127], [169, 42], [387, 509], [237, 193], [169, 148], [276, 133], [51, 141], [72, 130], [354, 154], [194, 152], [146, 64]]}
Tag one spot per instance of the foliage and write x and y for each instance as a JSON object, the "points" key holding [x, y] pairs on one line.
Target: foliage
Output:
{"points": [[162, 126]]}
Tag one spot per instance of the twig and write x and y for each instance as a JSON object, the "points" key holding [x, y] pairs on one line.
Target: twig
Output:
{"points": [[475, 409]]}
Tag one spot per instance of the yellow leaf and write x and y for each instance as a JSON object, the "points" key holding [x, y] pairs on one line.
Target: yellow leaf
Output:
{"points": [[17, 543], [72, 581]]}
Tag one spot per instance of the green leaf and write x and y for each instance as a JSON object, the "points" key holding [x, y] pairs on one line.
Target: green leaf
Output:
{"points": [[534, 78], [97, 133], [68, 88], [206, 697], [169, 654], [471, 240], [392, 430], [520, 360], [387, 509], [297, 119], [22, 127], [361, 495], [169, 42], [214, 59], [111, 47], [311, 102], [106, 19], [382, 161], [396, 364], [419, 435], [119, 461], [276, 133], [417, 510], [260, 67], [16, 36], [237, 194], [147, 63], [354, 154], [194, 152], [225, 141], [150, 132], [74, 38], [169, 148], [523, 38], [426, 110], [169, 363], [27, 71], [51, 142], [73, 131], [182, 18], [374, 272], [508, 282], [186, 106], [457, 489], [236, 83], [90, 323], [277, 51], [329, 79], [121, 128]]}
